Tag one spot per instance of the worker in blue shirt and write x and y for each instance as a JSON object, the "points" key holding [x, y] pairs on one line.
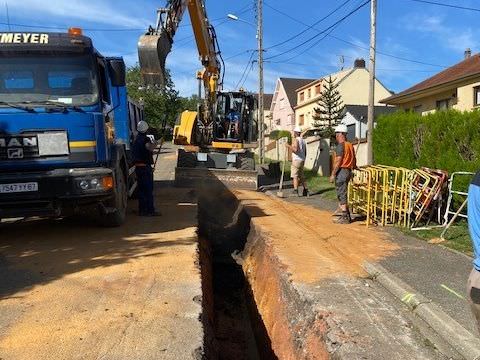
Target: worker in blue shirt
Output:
{"points": [[473, 204], [143, 156]]}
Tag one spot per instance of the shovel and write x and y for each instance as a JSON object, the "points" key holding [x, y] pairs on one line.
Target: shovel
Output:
{"points": [[280, 191]]}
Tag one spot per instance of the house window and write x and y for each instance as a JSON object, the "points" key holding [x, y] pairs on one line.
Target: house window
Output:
{"points": [[309, 93], [476, 93], [301, 120], [443, 104], [282, 104], [289, 119], [317, 89], [302, 96], [417, 109], [277, 122]]}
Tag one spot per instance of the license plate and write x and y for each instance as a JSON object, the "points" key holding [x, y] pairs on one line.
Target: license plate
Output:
{"points": [[18, 187]]}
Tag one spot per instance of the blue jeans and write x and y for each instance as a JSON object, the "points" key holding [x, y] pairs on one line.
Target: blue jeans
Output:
{"points": [[145, 190]]}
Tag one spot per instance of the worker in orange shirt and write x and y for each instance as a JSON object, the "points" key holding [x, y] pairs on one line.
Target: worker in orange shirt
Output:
{"points": [[345, 162]]}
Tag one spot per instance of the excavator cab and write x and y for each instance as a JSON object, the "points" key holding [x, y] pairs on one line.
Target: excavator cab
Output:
{"points": [[235, 120]]}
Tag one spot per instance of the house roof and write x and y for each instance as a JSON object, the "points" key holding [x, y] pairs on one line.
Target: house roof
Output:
{"points": [[267, 101], [462, 70], [358, 111], [291, 85]]}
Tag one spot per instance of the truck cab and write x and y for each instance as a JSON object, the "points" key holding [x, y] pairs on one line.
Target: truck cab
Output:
{"points": [[66, 127]]}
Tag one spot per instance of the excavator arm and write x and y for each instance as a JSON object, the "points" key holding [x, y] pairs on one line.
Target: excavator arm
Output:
{"points": [[156, 44]]}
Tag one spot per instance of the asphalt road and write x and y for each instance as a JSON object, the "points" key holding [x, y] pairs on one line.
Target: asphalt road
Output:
{"points": [[72, 290]]}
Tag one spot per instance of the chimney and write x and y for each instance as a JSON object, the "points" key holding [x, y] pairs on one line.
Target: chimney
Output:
{"points": [[359, 63], [468, 53]]}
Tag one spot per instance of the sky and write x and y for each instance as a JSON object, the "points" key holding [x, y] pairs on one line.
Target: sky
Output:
{"points": [[431, 37]]}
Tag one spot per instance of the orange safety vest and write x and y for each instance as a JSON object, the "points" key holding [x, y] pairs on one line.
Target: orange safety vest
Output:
{"points": [[348, 161]]}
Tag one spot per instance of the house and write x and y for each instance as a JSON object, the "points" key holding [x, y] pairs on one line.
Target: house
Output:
{"points": [[457, 87], [284, 101], [267, 114], [353, 85], [356, 119]]}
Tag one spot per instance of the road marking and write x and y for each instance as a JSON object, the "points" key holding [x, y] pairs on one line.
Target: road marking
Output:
{"points": [[452, 291], [408, 297]]}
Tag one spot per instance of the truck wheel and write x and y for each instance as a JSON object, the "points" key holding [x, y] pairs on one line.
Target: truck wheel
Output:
{"points": [[119, 202]]}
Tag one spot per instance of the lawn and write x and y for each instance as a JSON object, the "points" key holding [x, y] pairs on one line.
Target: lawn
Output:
{"points": [[320, 185], [317, 185], [456, 237]]}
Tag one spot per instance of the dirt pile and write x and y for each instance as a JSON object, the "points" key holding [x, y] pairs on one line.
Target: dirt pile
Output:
{"points": [[307, 241]]}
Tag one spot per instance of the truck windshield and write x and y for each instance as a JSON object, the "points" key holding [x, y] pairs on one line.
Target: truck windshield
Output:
{"points": [[67, 79]]}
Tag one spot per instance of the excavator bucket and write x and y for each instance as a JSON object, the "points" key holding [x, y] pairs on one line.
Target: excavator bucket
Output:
{"points": [[153, 49]]}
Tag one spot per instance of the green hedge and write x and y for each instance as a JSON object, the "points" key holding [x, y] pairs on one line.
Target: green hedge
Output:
{"points": [[278, 134], [448, 140]]}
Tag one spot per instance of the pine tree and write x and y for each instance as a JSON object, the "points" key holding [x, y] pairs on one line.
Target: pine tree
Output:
{"points": [[330, 110]]}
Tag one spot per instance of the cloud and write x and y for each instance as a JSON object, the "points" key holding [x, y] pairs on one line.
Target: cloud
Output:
{"points": [[434, 25], [99, 11]]}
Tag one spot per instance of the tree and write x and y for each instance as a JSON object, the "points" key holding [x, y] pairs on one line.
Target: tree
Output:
{"points": [[162, 106], [189, 103], [330, 110]]}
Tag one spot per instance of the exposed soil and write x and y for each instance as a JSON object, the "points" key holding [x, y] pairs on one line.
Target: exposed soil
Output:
{"points": [[309, 243]]}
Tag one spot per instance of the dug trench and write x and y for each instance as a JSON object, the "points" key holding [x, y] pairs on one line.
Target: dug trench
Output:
{"points": [[280, 281], [246, 300]]}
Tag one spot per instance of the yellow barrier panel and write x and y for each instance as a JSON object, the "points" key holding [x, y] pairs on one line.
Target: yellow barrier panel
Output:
{"points": [[391, 195]]}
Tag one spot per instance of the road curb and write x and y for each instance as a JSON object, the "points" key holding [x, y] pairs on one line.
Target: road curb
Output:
{"points": [[459, 338]]}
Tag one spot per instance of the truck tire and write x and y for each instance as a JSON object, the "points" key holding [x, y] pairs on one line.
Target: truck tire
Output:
{"points": [[119, 202]]}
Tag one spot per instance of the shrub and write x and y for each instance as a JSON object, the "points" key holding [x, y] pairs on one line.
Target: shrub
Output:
{"points": [[447, 140], [278, 134]]}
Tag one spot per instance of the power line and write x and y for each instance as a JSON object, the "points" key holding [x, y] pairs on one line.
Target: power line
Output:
{"points": [[323, 31], [238, 54], [386, 54], [447, 5], [310, 27], [65, 27], [335, 67], [359, 46], [246, 76], [245, 70]]}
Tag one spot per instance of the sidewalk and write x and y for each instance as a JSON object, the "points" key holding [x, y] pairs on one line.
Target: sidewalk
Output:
{"points": [[437, 273]]}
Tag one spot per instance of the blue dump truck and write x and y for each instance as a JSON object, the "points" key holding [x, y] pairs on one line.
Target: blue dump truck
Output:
{"points": [[66, 128]]}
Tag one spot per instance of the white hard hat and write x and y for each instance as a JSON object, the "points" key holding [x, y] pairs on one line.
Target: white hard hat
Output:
{"points": [[142, 126], [341, 128], [297, 129]]}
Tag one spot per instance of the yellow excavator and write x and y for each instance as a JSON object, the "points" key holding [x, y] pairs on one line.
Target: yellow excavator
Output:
{"points": [[219, 137]]}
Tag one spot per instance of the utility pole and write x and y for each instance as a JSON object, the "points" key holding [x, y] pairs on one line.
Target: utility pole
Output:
{"points": [[261, 135], [371, 70], [8, 16]]}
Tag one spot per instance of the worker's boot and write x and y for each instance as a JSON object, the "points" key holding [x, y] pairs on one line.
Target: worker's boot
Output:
{"points": [[337, 213], [306, 192], [344, 218], [295, 193]]}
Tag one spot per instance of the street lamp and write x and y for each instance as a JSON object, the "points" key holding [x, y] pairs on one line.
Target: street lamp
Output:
{"points": [[259, 37], [236, 18]]}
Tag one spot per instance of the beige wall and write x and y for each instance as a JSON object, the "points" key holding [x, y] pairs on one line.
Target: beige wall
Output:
{"points": [[353, 87], [464, 100]]}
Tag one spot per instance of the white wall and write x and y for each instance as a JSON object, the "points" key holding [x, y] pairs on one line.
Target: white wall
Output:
{"points": [[318, 155], [361, 153]]}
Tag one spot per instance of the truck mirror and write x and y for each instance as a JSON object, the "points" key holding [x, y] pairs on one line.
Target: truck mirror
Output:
{"points": [[117, 72]]}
